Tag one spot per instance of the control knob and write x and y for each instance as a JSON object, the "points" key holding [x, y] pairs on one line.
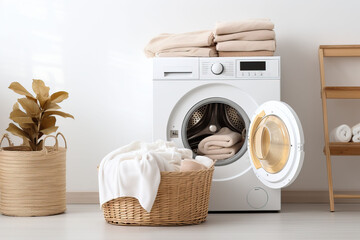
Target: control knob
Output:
{"points": [[217, 68]]}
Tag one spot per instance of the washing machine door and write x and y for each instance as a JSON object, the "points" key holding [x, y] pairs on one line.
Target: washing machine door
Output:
{"points": [[275, 143]]}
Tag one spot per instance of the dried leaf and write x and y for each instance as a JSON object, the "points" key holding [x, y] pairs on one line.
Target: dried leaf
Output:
{"points": [[18, 88], [47, 122], [20, 117], [33, 99], [30, 107], [39, 146], [17, 113], [17, 131], [50, 105], [62, 114], [25, 142], [16, 106], [42, 91], [22, 120], [40, 88], [49, 130], [33, 146], [58, 97], [26, 126]]}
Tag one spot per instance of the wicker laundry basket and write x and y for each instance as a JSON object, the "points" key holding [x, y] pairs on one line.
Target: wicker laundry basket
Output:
{"points": [[32, 183], [182, 199]]}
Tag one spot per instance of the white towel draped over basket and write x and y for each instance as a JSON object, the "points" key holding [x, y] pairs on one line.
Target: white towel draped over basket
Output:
{"points": [[134, 170]]}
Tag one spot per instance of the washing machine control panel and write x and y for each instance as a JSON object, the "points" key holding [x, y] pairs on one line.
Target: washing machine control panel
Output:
{"points": [[240, 68]]}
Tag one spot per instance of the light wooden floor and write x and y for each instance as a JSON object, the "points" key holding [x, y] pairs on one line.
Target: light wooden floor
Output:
{"points": [[295, 221]]}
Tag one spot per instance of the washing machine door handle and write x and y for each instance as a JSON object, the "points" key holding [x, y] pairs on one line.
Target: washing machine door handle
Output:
{"points": [[275, 143]]}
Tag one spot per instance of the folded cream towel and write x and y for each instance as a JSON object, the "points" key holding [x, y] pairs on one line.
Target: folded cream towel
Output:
{"points": [[182, 40], [246, 54], [222, 139], [341, 133], [356, 129], [134, 170], [223, 153], [356, 138], [221, 145], [188, 52], [258, 35], [245, 46], [243, 26]]}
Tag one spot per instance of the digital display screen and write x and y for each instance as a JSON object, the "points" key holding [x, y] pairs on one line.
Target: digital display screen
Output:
{"points": [[251, 66]]}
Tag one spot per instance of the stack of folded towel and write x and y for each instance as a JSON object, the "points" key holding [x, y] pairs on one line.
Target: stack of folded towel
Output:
{"points": [[134, 170], [191, 44], [245, 38], [222, 145], [344, 133]]}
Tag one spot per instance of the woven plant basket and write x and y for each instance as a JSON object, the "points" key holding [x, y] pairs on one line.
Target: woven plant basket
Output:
{"points": [[182, 199], [32, 183]]}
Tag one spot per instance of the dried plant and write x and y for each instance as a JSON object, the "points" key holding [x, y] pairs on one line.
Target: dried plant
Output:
{"points": [[38, 117]]}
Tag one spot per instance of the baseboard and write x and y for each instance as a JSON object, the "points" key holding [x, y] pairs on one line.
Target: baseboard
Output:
{"points": [[286, 197], [314, 197], [82, 197]]}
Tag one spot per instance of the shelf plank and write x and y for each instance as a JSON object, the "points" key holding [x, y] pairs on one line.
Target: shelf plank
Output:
{"points": [[341, 50], [343, 149], [342, 92], [339, 46], [347, 196]]}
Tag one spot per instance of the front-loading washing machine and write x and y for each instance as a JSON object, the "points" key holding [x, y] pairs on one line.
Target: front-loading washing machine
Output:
{"points": [[195, 97]]}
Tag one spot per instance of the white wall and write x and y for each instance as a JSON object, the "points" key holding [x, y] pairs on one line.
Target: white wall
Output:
{"points": [[93, 50]]}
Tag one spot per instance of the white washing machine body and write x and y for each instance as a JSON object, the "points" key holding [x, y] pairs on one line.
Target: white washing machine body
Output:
{"points": [[182, 84]]}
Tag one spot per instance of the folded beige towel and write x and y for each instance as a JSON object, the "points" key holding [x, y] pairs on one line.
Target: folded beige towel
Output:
{"points": [[188, 52], [257, 35], [245, 46], [182, 40], [243, 26], [246, 54], [223, 153], [224, 138], [221, 145]]}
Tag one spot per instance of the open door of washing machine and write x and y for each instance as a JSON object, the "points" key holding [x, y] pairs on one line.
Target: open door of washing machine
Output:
{"points": [[275, 143]]}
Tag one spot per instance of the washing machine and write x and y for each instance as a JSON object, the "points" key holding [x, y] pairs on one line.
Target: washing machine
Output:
{"points": [[194, 98]]}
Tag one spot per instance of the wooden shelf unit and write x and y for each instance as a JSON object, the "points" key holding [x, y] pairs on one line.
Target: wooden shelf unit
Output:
{"points": [[337, 92], [342, 92], [344, 149]]}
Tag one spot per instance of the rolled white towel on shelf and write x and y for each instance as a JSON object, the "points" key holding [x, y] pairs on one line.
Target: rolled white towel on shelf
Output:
{"points": [[356, 138], [356, 129], [341, 133]]}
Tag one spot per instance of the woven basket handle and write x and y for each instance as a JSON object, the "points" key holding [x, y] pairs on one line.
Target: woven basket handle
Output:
{"points": [[6, 136], [62, 135], [56, 145]]}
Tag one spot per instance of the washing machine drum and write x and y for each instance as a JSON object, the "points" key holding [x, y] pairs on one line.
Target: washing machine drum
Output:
{"points": [[206, 119], [221, 112]]}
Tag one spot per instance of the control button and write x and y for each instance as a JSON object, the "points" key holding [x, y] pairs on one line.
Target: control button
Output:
{"points": [[217, 68]]}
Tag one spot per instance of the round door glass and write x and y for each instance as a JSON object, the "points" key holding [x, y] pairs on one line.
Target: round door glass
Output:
{"points": [[216, 128], [271, 144]]}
